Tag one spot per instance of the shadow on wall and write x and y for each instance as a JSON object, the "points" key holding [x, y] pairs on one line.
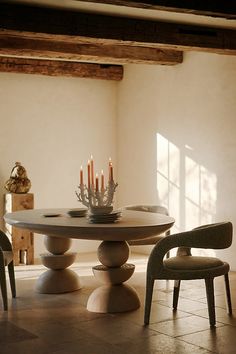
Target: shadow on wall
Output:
{"points": [[187, 188]]}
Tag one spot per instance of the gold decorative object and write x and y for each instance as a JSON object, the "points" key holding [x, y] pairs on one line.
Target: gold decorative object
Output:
{"points": [[18, 181]]}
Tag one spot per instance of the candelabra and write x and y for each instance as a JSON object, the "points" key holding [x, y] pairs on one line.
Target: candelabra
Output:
{"points": [[98, 201]]}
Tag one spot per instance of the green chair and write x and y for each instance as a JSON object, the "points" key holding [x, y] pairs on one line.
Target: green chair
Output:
{"points": [[185, 266], [6, 259]]}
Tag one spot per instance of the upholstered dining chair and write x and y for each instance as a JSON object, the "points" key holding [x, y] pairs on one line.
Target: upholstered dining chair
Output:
{"points": [[6, 259], [151, 209], [185, 266]]}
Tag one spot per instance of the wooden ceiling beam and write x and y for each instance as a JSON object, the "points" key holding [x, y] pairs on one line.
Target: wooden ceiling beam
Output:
{"points": [[13, 43], [110, 30], [217, 8], [61, 68]]}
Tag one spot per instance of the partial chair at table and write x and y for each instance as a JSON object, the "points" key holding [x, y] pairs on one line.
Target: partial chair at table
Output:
{"points": [[6, 259], [186, 267], [153, 240]]}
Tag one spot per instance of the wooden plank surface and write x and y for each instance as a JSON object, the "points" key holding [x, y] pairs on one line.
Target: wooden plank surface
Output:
{"points": [[13, 43], [131, 226], [61, 68], [216, 8], [55, 24]]}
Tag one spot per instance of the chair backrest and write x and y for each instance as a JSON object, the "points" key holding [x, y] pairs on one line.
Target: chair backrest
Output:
{"points": [[213, 236], [216, 236], [5, 243], [149, 208]]}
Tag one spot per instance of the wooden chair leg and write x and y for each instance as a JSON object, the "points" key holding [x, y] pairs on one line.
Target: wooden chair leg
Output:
{"points": [[176, 294], [12, 278], [148, 299], [228, 296], [210, 300], [3, 283]]}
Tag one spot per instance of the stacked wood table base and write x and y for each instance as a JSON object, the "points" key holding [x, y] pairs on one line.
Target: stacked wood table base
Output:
{"points": [[114, 296], [57, 279]]}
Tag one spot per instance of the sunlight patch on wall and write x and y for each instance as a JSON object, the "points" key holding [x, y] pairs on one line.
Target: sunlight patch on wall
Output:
{"points": [[200, 194], [168, 177], [187, 188]]}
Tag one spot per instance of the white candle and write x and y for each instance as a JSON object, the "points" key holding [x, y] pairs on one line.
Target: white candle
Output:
{"points": [[97, 185], [81, 175], [110, 170], [92, 171], [89, 174], [102, 181]]}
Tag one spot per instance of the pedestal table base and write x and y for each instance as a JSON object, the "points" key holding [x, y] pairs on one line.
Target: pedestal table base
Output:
{"points": [[57, 279], [115, 296]]}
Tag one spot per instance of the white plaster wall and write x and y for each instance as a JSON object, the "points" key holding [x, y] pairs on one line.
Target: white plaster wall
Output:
{"points": [[52, 125], [192, 108]]}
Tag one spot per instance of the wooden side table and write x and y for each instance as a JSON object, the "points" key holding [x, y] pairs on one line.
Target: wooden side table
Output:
{"points": [[22, 240]]}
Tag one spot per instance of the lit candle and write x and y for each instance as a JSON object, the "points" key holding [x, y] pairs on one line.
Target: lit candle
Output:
{"points": [[110, 170], [92, 171], [102, 181], [81, 175], [89, 174], [97, 186]]}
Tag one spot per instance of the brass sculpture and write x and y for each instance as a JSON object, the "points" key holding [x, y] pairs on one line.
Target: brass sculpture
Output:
{"points": [[18, 181]]}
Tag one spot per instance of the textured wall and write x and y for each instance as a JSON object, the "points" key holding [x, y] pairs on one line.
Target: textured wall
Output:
{"points": [[176, 139], [52, 126]]}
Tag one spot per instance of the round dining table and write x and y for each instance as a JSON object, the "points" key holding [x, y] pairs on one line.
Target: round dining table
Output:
{"points": [[58, 228]]}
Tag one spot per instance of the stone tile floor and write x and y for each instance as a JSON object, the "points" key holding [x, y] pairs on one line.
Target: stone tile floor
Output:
{"points": [[60, 324]]}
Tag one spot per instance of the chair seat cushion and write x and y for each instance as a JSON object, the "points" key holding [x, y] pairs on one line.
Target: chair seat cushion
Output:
{"points": [[192, 263]]}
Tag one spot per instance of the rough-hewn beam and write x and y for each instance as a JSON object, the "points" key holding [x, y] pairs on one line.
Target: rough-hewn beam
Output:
{"points": [[110, 30], [216, 8], [13, 43], [61, 68]]}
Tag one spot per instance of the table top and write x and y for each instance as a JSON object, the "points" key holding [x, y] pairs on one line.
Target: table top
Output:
{"points": [[132, 225]]}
